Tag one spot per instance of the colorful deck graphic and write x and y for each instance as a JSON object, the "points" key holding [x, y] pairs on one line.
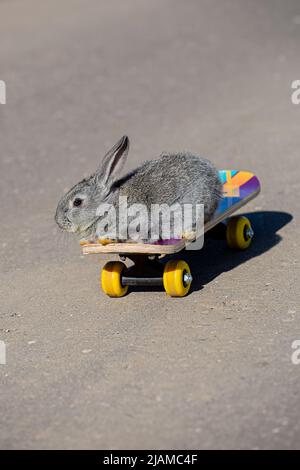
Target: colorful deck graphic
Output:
{"points": [[237, 185]]}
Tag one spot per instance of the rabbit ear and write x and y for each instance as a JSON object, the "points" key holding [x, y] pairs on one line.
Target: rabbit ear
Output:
{"points": [[113, 162]]}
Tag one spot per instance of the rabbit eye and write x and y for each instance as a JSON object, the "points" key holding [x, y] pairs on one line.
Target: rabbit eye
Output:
{"points": [[77, 202]]}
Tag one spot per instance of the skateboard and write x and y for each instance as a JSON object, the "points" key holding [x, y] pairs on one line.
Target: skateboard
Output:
{"points": [[239, 187]]}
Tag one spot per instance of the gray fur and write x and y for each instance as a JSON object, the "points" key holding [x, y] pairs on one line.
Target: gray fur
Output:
{"points": [[172, 178]]}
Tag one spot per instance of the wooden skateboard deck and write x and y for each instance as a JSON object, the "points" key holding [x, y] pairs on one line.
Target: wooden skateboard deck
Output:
{"points": [[239, 187]]}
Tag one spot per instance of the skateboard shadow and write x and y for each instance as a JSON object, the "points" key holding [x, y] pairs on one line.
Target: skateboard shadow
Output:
{"points": [[216, 258]]}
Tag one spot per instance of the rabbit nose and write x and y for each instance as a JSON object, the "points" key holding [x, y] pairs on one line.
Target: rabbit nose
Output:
{"points": [[60, 216]]}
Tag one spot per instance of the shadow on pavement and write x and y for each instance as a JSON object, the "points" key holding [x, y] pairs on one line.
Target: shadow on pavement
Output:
{"points": [[216, 258]]}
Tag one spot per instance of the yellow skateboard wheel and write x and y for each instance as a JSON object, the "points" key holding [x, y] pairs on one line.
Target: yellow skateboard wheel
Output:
{"points": [[111, 279], [177, 278], [239, 233]]}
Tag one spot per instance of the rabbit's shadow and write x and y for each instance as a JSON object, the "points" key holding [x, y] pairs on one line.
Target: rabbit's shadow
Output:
{"points": [[215, 258]]}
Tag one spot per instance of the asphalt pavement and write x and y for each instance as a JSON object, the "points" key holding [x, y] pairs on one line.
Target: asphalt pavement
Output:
{"points": [[213, 369]]}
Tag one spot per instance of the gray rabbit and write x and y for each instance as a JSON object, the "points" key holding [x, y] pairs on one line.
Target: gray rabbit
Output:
{"points": [[174, 178]]}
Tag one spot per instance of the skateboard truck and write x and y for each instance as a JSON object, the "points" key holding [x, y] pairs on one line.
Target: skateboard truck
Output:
{"points": [[134, 275]]}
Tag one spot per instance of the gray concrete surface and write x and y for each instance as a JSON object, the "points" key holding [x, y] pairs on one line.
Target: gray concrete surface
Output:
{"points": [[212, 370]]}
